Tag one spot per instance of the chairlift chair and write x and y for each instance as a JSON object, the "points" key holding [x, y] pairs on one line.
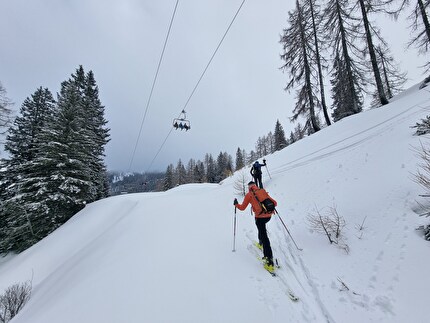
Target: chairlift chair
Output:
{"points": [[182, 123]]}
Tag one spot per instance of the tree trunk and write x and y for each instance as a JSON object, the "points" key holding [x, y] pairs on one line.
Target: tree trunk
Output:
{"points": [[351, 86], [387, 83], [323, 103], [425, 18], [379, 86], [307, 72]]}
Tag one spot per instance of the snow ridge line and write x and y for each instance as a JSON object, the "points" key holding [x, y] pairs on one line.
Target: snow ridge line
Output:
{"points": [[293, 164]]}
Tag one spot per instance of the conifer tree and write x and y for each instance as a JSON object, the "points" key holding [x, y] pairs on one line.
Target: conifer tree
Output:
{"points": [[199, 172], [348, 75], [367, 6], [420, 25], [22, 212], [393, 79], [96, 123], [169, 178], [56, 164], [191, 171], [280, 140], [66, 155], [211, 169], [180, 173], [252, 157], [240, 159], [261, 147], [224, 166], [316, 20], [299, 132], [270, 143], [297, 56]]}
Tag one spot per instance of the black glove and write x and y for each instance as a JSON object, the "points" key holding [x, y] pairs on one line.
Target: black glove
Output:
{"points": [[264, 161], [235, 202]]}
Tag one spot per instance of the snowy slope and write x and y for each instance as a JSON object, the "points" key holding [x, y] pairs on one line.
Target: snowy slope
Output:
{"points": [[167, 257]]}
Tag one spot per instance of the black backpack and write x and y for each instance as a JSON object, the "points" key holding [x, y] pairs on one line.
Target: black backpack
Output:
{"points": [[268, 206], [257, 168], [262, 197]]}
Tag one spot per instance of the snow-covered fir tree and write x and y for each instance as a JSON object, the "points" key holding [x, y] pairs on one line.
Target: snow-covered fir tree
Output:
{"points": [[180, 173], [23, 144], [199, 172], [169, 178], [96, 123], [423, 127], [191, 171], [56, 163], [211, 169]]}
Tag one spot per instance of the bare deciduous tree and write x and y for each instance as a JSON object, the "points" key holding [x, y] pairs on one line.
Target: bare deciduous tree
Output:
{"points": [[240, 183], [5, 111]]}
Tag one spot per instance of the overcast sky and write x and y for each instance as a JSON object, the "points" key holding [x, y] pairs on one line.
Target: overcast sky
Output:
{"points": [[239, 99]]}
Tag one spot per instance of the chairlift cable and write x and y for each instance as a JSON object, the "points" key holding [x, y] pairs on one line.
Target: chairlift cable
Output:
{"points": [[213, 55], [153, 86], [199, 80], [159, 150]]}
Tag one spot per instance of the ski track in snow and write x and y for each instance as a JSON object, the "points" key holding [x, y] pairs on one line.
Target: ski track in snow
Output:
{"points": [[288, 277], [289, 253], [380, 127]]}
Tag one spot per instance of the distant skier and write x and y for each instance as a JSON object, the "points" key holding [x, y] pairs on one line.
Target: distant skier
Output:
{"points": [[255, 196], [256, 172]]}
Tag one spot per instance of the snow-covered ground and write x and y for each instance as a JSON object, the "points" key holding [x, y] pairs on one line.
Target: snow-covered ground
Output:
{"points": [[167, 257]]}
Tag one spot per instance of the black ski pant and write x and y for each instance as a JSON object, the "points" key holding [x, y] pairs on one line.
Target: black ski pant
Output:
{"points": [[258, 181], [262, 236]]}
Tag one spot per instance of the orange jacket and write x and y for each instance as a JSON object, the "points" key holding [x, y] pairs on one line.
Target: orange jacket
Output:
{"points": [[255, 205]]}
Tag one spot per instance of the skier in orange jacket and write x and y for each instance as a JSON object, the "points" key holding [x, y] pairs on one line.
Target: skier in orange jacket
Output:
{"points": [[261, 218]]}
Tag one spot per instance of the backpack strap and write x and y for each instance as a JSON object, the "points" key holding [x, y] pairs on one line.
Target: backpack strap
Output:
{"points": [[261, 205]]}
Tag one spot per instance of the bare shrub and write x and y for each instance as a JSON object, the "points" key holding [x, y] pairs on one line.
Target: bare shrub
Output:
{"points": [[427, 232], [331, 224], [13, 300], [422, 177], [360, 228], [344, 286], [240, 184]]}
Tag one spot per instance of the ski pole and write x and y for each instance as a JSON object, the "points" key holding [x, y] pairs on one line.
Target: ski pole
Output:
{"points": [[234, 231], [268, 172], [267, 168], [276, 211]]}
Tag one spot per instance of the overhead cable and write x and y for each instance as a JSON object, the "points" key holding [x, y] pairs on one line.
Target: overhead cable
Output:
{"points": [[153, 86], [198, 82]]}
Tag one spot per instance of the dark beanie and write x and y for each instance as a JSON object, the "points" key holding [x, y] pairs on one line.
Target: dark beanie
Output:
{"points": [[251, 182]]}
